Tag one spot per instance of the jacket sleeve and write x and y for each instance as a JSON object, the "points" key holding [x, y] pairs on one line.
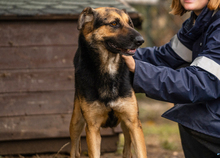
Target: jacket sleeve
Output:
{"points": [[198, 82], [160, 56]]}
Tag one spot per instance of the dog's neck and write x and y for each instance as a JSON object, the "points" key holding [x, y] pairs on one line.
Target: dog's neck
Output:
{"points": [[110, 62]]}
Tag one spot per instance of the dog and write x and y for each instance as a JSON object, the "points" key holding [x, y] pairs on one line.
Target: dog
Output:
{"points": [[103, 91]]}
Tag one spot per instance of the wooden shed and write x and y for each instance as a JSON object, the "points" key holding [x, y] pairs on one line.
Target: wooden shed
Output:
{"points": [[38, 40]]}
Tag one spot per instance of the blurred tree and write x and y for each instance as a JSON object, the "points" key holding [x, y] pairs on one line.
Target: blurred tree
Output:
{"points": [[159, 26]]}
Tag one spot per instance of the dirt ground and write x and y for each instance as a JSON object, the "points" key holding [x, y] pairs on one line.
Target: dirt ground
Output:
{"points": [[153, 152]]}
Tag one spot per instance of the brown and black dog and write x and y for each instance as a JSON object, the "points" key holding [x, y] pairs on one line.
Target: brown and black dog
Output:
{"points": [[104, 96]]}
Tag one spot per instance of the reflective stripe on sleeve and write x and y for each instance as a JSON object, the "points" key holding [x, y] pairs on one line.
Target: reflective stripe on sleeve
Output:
{"points": [[208, 65], [180, 49]]}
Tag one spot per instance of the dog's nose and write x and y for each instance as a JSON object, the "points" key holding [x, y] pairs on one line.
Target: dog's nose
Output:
{"points": [[139, 40]]}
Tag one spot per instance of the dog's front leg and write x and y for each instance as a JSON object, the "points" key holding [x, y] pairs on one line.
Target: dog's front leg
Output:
{"points": [[128, 111], [93, 139], [137, 137], [127, 141], [76, 126], [95, 114]]}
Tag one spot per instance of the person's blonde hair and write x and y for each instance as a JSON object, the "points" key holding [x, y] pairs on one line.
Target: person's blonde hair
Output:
{"points": [[178, 9]]}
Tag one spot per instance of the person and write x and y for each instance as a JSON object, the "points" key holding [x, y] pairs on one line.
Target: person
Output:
{"points": [[186, 72]]}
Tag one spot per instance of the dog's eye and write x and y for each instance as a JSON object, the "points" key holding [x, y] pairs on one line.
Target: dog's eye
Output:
{"points": [[114, 23]]}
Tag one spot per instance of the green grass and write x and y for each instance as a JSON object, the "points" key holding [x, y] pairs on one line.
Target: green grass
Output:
{"points": [[166, 134]]}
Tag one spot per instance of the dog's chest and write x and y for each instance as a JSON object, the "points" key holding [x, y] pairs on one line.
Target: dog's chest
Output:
{"points": [[108, 87], [109, 77]]}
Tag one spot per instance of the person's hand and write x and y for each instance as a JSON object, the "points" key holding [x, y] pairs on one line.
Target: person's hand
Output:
{"points": [[129, 60]]}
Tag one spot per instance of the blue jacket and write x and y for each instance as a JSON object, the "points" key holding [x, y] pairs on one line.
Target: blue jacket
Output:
{"points": [[194, 88]]}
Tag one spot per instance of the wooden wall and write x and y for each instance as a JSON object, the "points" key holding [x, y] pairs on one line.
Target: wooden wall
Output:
{"points": [[37, 86]]}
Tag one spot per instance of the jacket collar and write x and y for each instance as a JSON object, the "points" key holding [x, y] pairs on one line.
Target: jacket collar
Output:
{"points": [[205, 16], [202, 21]]}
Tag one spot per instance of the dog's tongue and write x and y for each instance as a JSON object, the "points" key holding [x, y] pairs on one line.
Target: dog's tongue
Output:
{"points": [[130, 52]]}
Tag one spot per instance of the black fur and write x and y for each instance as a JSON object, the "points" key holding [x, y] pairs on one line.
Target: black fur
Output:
{"points": [[112, 120], [99, 22], [89, 80]]}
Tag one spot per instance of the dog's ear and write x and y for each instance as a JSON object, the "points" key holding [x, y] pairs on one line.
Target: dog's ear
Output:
{"points": [[86, 15]]}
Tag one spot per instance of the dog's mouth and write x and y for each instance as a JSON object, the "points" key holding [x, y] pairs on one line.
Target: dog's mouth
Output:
{"points": [[123, 51]]}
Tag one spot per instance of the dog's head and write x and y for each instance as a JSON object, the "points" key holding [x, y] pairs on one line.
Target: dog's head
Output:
{"points": [[110, 28]]}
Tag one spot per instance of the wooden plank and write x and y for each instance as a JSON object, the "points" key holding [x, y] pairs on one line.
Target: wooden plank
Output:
{"points": [[36, 80], [104, 131], [38, 127], [34, 146], [117, 129], [36, 57], [108, 144], [35, 33], [42, 17], [34, 127], [18, 104]]}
